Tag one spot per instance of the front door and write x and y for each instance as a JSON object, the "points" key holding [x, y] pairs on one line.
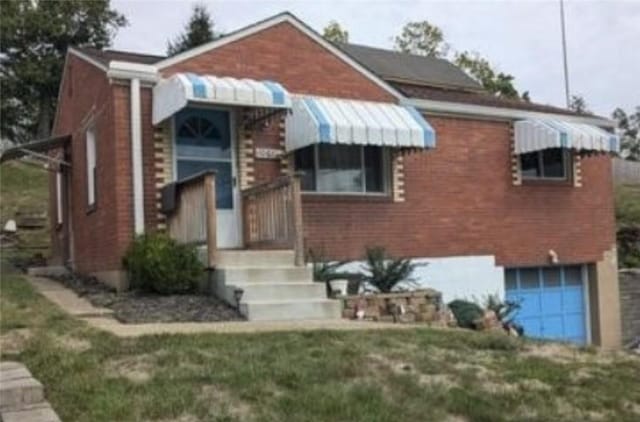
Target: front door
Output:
{"points": [[205, 141]]}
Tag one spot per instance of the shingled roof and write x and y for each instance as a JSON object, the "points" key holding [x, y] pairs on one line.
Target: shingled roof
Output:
{"points": [[402, 67], [414, 76]]}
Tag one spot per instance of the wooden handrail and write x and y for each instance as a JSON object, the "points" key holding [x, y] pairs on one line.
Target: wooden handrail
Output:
{"points": [[190, 206], [272, 216]]}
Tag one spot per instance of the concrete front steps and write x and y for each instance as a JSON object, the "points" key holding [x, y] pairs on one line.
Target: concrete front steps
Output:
{"points": [[22, 396], [273, 288]]}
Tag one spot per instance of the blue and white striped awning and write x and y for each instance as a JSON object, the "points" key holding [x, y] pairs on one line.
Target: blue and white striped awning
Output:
{"points": [[316, 120], [538, 134], [174, 93]]}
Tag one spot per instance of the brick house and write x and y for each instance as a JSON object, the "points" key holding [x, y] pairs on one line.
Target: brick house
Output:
{"points": [[406, 152]]}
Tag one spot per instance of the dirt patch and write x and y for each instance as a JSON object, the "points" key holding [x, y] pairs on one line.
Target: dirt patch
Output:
{"points": [[480, 371], [73, 344], [222, 402], [493, 387], [137, 369], [399, 367], [14, 341], [533, 384], [181, 418], [139, 307]]}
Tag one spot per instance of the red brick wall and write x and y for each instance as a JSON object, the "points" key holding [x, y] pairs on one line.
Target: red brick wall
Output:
{"points": [[460, 201], [284, 54], [100, 236]]}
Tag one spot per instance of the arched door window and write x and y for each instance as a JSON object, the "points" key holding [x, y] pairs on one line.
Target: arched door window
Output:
{"points": [[203, 142]]}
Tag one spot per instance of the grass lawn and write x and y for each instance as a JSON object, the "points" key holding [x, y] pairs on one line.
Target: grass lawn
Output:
{"points": [[398, 375]]}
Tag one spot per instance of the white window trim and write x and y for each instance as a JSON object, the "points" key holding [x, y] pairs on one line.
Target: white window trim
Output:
{"points": [[59, 217], [566, 164], [90, 145], [386, 182]]}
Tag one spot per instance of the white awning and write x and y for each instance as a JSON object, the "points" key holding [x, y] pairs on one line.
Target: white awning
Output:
{"points": [[174, 93], [316, 120], [538, 134]]}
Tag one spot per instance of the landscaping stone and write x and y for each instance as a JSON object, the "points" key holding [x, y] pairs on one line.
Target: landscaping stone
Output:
{"points": [[421, 306], [138, 307], [22, 396]]}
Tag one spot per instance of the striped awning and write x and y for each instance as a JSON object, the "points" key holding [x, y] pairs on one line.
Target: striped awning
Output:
{"points": [[174, 93], [538, 134], [316, 120]]}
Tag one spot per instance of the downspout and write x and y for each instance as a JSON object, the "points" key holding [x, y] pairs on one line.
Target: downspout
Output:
{"points": [[136, 74], [136, 158]]}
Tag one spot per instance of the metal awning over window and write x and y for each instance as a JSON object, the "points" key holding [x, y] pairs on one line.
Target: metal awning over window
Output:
{"points": [[174, 93], [315, 120], [539, 134]]}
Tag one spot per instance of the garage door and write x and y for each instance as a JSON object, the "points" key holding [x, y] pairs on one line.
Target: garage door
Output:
{"points": [[552, 301]]}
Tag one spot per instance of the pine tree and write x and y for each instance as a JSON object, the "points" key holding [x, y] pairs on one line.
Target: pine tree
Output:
{"points": [[198, 31]]}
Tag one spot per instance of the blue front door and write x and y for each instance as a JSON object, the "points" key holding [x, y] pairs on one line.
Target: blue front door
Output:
{"points": [[552, 301], [204, 141]]}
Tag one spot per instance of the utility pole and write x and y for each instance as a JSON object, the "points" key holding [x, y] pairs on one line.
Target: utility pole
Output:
{"points": [[564, 54]]}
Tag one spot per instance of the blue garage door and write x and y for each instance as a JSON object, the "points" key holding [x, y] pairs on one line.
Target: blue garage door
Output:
{"points": [[552, 301]]}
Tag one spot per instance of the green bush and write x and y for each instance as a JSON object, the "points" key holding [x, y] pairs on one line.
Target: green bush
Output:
{"points": [[157, 263], [385, 273], [466, 312]]}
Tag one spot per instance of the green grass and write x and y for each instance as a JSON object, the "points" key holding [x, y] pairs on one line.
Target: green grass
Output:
{"points": [[419, 374], [25, 187]]}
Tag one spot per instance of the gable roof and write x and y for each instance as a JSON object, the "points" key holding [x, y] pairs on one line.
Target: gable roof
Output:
{"points": [[411, 68], [268, 23], [104, 57]]}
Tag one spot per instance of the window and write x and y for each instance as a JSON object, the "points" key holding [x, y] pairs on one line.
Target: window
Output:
{"points": [[59, 197], [91, 166], [203, 142], [342, 168], [546, 164]]}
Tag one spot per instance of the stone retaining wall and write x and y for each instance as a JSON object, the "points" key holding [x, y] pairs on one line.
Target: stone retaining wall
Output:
{"points": [[416, 306], [630, 304]]}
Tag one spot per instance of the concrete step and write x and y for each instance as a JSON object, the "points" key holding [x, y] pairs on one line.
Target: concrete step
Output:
{"points": [[273, 274], [277, 291], [41, 412], [291, 310], [18, 388], [254, 258]]}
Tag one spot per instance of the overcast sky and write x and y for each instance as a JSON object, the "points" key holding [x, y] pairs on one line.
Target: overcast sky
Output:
{"points": [[521, 38]]}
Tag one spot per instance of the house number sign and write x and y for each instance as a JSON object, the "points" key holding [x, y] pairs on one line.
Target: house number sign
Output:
{"points": [[268, 153]]}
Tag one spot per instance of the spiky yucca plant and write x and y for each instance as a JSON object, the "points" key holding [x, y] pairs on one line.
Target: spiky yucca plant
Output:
{"points": [[384, 273]]}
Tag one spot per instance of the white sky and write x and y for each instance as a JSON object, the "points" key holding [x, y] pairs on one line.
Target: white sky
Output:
{"points": [[518, 37]]}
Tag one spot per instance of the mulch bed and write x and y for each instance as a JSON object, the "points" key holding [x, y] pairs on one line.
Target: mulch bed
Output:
{"points": [[140, 307]]}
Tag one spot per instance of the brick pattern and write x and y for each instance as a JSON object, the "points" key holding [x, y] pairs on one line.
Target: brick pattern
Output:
{"points": [[246, 158], [577, 169], [282, 53], [286, 160], [629, 300], [397, 178], [163, 154], [516, 171], [460, 200]]}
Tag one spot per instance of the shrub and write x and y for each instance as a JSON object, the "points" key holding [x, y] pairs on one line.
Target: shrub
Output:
{"points": [[466, 312], [385, 273], [159, 264]]}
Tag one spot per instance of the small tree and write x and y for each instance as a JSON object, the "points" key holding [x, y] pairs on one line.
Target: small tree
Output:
{"points": [[629, 127], [422, 38], [333, 32], [479, 68], [198, 31], [385, 273], [579, 105]]}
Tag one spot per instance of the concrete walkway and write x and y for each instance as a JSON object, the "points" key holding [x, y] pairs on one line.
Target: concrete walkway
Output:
{"points": [[102, 318], [67, 299]]}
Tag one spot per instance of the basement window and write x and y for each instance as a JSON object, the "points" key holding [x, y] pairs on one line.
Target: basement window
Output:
{"points": [[90, 143], [548, 164], [343, 169]]}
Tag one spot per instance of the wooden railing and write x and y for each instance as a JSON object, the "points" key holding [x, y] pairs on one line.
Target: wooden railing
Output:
{"points": [[272, 216], [190, 206]]}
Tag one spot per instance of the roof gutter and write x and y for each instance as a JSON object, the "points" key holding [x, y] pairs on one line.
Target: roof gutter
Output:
{"points": [[135, 73], [501, 113]]}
